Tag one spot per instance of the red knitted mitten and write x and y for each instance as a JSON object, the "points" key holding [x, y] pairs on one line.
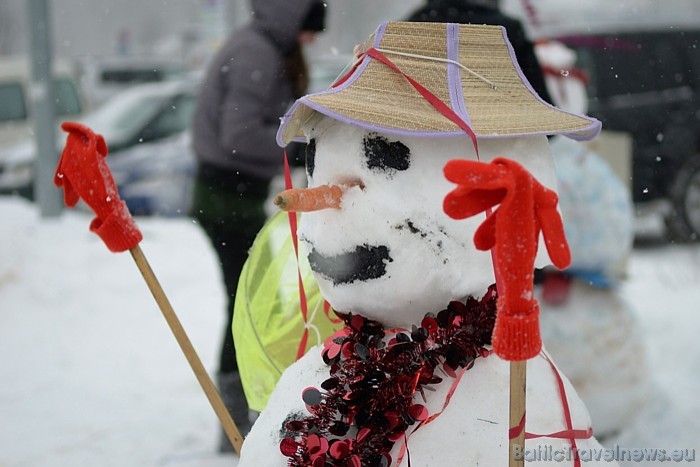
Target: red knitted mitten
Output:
{"points": [[512, 230], [83, 173]]}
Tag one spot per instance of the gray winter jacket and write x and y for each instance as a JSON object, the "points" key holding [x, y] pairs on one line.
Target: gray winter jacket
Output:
{"points": [[245, 92]]}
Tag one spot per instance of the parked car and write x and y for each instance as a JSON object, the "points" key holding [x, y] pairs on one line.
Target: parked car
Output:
{"points": [[16, 124], [104, 77], [156, 178], [647, 83], [141, 127]]}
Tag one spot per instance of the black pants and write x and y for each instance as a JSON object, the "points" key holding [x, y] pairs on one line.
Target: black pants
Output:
{"points": [[229, 207]]}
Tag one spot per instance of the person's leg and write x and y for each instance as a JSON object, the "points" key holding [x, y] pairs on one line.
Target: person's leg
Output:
{"points": [[231, 251], [232, 240], [232, 247], [229, 209]]}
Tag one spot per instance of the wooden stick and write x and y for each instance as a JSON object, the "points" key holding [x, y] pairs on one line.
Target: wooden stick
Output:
{"points": [[200, 372], [518, 370]]}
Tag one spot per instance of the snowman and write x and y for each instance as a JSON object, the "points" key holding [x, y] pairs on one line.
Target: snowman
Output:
{"points": [[584, 317], [412, 377]]}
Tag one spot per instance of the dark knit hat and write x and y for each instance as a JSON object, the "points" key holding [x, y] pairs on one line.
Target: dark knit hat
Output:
{"points": [[315, 18]]}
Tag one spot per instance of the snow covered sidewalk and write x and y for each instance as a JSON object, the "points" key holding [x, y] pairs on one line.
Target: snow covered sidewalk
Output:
{"points": [[91, 375]]}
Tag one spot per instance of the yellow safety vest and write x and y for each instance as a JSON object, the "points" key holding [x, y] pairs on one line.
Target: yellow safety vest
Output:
{"points": [[267, 322]]}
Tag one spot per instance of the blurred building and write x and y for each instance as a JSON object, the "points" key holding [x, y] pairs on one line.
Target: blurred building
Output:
{"points": [[134, 27], [551, 18]]}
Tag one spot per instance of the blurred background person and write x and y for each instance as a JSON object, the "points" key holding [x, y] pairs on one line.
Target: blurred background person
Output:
{"points": [[488, 12], [250, 82]]}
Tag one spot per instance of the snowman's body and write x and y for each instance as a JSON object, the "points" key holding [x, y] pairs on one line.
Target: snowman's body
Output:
{"points": [[591, 321], [390, 254], [471, 431], [597, 341]]}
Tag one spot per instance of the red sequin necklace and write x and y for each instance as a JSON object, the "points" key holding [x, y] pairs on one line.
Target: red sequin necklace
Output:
{"points": [[366, 405]]}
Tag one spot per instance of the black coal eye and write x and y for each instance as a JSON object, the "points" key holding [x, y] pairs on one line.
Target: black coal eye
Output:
{"points": [[385, 156], [310, 157]]}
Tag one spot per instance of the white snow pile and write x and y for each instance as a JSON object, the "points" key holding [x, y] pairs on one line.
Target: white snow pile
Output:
{"points": [[91, 375]]}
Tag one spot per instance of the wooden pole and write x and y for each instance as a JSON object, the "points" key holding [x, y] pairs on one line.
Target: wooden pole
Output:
{"points": [[200, 372], [518, 370]]}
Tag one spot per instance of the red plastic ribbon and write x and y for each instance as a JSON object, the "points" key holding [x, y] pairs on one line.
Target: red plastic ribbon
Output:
{"points": [[569, 433], [515, 431], [327, 312], [448, 398], [295, 241], [347, 75]]}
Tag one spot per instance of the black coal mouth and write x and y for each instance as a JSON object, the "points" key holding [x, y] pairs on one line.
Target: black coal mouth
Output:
{"points": [[364, 263]]}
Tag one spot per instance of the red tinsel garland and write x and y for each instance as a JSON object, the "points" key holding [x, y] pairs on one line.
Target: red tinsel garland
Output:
{"points": [[366, 404]]}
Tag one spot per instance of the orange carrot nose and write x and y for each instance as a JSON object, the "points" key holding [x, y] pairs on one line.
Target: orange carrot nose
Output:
{"points": [[313, 199]]}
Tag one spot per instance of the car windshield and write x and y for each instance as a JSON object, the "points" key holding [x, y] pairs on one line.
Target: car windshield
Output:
{"points": [[67, 100], [139, 75], [125, 115], [14, 101]]}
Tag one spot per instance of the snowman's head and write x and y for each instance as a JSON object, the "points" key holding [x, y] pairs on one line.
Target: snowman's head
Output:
{"points": [[566, 83], [390, 253], [388, 126]]}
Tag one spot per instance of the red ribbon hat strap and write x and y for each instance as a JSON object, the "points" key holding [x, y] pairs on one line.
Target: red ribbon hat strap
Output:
{"points": [[303, 303]]}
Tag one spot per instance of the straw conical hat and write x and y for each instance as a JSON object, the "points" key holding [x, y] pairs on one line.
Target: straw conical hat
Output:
{"points": [[470, 68]]}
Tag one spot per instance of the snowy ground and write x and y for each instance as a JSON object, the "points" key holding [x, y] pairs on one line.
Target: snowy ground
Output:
{"points": [[91, 375]]}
